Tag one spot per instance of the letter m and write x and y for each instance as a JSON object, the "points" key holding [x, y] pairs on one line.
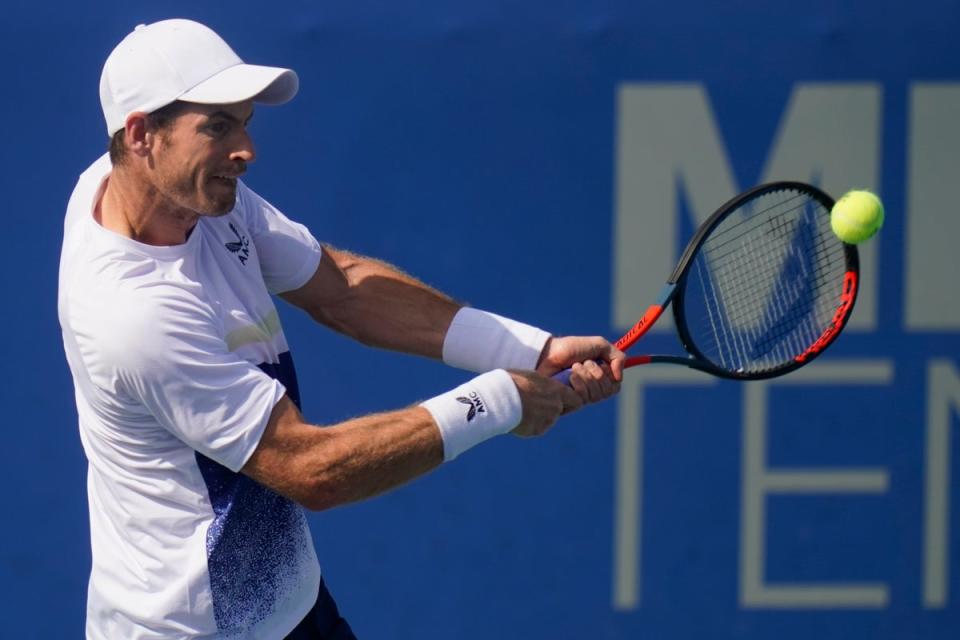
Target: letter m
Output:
{"points": [[669, 146]]}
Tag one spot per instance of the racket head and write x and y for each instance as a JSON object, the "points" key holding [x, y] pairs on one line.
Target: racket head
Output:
{"points": [[764, 286]]}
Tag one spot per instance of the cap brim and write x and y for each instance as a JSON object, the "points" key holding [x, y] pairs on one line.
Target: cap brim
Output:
{"points": [[267, 85]]}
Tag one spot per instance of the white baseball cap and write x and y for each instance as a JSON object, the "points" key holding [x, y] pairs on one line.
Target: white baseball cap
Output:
{"points": [[159, 63]]}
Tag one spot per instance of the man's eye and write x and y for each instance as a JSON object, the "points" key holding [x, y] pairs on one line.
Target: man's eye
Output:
{"points": [[219, 128]]}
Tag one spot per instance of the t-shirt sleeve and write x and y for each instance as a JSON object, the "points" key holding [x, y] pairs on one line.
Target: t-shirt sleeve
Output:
{"points": [[288, 252], [171, 360]]}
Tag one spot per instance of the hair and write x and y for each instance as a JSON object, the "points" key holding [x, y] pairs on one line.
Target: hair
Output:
{"points": [[160, 119]]}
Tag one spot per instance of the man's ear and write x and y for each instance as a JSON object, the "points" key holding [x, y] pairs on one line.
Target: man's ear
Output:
{"points": [[137, 135]]}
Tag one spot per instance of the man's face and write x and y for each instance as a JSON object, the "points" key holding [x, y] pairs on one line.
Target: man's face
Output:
{"points": [[199, 156]]}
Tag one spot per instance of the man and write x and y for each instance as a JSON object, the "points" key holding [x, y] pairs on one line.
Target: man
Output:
{"points": [[199, 460]]}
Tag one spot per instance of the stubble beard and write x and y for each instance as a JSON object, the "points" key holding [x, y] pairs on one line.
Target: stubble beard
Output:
{"points": [[202, 200]]}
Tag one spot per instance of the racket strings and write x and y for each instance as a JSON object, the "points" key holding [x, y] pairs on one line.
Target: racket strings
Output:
{"points": [[828, 269], [726, 268], [773, 330], [784, 314], [751, 216], [775, 221], [822, 255], [768, 284]]}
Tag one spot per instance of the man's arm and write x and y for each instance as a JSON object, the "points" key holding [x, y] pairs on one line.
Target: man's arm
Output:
{"points": [[381, 306], [363, 457], [375, 304], [360, 458]]}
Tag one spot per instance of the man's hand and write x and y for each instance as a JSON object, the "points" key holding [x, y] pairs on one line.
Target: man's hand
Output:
{"points": [[544, 400], [596, 365]]}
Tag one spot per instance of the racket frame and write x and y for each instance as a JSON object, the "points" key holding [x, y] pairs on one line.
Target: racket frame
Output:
{"points": [[672, 294]]}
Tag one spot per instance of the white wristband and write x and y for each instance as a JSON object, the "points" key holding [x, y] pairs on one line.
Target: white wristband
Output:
{"points": [[485, 407], [481, 341]]}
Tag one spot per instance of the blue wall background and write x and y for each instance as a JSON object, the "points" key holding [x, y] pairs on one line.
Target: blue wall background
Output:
{"points": [[473, 144]]}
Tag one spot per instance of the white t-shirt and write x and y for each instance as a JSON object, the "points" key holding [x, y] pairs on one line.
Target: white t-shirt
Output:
{"points": [[178, 359]]}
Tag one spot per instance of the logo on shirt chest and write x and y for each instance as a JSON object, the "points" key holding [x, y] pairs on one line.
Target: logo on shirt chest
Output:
{"points": [[241, 248]]}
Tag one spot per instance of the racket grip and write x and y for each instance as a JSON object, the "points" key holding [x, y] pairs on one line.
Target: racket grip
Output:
{"points": [[563, 377]]}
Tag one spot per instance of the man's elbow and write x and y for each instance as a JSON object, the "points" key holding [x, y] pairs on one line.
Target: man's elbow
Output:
{"points": [[317, 501], [319, 492]]}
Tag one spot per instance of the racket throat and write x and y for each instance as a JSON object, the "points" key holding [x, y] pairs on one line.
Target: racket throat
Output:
{"points": [[651, 315]]}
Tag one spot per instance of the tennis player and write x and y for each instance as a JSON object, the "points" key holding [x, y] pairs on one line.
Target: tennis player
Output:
{"points": [[200, 463]]}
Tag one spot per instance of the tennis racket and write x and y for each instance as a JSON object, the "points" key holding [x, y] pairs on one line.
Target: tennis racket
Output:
{"points": [[762, 288]]}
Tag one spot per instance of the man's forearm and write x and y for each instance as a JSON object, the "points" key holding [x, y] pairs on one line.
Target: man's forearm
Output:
{"points": [[381, 306], [377, 304], [326, 467]]}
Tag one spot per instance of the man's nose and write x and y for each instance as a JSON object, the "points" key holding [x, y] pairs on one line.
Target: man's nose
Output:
{"points": [[245, 151]]}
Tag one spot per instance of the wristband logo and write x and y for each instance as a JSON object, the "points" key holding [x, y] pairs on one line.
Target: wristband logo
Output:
{"points": [[475, 402]]}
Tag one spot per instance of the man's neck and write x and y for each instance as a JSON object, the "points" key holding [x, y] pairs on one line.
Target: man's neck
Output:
{"points": [[135, 208]]}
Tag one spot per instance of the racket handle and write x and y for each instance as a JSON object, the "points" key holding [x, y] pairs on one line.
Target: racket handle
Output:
{"points": [[633, 361]]}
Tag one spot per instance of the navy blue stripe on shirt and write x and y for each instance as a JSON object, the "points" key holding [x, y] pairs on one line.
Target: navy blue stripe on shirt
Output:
{"points": [[256, 544], [286, 374]]}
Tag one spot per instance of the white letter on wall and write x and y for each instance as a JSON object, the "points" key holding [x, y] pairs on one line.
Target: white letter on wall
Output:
{"points": [[759, 481]]}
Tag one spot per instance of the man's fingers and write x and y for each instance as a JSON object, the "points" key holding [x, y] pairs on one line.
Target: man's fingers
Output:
{"points": [[593, 381], [617, 359], [576, 380], [612, 382], [571, 399], [593, 376], [545, 399], [605, 381]]}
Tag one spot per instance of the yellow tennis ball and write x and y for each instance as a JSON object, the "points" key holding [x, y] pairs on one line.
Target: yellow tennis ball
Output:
{"points": [[856, 216]]}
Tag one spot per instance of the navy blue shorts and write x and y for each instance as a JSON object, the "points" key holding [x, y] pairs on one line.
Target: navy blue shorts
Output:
{"points": [[323, 622]]}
